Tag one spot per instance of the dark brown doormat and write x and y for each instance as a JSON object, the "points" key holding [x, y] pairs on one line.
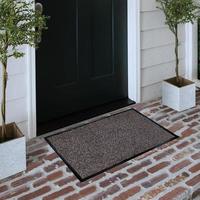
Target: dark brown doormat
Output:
{"points": [[100, 145]]}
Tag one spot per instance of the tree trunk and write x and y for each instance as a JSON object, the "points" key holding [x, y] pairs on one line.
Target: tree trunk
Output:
{"points": [[177, 55], [3, 103]]}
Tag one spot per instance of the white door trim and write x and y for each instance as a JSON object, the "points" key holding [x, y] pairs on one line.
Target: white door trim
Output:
{"points": [[191, 50], [134, 59], [134, 71], [31, 92]]}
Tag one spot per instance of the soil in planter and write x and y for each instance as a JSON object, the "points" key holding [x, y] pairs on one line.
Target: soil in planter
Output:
{"points": [[183, 82], [12, 132]]}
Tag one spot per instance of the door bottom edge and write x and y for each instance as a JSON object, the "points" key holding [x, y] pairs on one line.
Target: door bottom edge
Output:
{"points": [[43, 128]]}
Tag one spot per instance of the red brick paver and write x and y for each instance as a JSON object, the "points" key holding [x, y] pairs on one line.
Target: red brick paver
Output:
{"points": [[169, 172]]}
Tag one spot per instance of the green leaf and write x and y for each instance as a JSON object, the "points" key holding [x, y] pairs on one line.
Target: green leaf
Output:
{"points": [[19, 24]]}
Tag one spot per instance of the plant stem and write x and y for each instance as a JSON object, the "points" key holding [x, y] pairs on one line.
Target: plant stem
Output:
{"points": [[177, 55], [3, 103]]}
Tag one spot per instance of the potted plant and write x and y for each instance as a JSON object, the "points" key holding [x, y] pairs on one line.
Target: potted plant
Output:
{"points": [[178, 92], [20, 24]]}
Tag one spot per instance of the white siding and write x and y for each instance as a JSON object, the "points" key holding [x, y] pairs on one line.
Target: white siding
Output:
{"points": [[17, 105], [157, 50]]}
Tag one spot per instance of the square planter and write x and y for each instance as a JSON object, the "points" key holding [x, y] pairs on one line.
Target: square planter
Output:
{"points": [[12, 152], [179, 98]]}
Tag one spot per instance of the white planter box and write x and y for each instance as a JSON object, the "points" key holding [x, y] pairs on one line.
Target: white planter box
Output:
{"points": [[179, 98], [13, 155]]}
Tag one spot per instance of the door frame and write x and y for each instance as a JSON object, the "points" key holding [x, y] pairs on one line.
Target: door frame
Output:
{"points": [[134, 71], [191, 51]]}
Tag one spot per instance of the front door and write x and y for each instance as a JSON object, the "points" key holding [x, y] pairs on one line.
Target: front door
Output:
{"points": [[82, 60]]}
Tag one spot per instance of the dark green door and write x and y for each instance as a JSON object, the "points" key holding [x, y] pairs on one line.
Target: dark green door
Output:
{"points": [[82, 60]]}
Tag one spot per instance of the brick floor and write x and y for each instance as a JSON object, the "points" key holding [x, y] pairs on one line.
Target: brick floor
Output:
{"points": [[169, 172]]}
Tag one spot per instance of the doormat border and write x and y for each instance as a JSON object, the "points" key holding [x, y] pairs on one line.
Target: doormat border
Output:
{"points": [[104, 170]]}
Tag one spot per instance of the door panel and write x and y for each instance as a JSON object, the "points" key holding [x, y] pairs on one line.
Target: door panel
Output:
{"points": [[82, 60], [102, 39]]}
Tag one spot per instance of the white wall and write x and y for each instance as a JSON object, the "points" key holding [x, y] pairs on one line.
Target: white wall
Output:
{"points": [[17, 101], [157, 50]]}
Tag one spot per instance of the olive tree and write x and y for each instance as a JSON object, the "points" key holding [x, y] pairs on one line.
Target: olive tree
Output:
{"points": [[20, 24], [178, 12]]}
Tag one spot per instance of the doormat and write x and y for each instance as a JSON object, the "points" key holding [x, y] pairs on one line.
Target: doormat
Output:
{"points": [[93, 148]]}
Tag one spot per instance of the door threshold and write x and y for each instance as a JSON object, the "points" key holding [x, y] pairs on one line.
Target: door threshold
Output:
{"points": [[77, 117]]}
